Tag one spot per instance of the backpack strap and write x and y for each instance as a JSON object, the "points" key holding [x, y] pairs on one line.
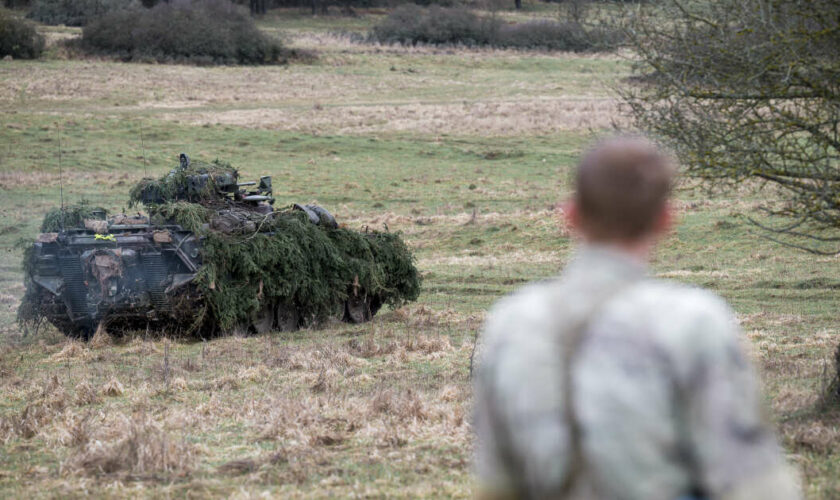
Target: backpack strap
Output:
{"points": [[570, 346]]}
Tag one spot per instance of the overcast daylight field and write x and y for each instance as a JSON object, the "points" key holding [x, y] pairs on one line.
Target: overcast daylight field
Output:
{"points": [[465, 151]]}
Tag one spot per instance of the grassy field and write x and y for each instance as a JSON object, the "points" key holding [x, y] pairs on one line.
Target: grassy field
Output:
{"points": [[464, 151]]}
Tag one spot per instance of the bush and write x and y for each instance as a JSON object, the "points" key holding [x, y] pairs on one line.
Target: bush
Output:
{"points": [[18, 38], [552, 35], [748, 99], [73, 12], [197, 31], [410, 24]]}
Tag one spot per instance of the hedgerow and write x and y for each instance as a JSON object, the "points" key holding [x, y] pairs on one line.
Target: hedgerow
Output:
{"points": [[18, 38], [74, 12], [197, 32], [411, 25]]}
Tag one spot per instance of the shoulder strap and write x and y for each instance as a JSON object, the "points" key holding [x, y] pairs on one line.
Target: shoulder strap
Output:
{"points": [[571, 342]]}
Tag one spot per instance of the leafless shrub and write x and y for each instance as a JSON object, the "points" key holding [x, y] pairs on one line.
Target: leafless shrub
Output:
{"points": [[113, 388], [747, 96], [19, 38], [86, 394]]}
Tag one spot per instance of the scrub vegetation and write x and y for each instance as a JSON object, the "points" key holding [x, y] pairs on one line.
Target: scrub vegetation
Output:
{"points": [[197, 32], [18, 38]]}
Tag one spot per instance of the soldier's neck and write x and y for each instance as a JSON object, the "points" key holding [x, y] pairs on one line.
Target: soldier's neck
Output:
{"points": [[640, 250]]}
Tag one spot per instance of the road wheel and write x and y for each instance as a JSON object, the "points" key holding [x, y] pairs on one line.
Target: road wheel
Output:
{"points": [[357, 309], [286, 318], [263, 320]]}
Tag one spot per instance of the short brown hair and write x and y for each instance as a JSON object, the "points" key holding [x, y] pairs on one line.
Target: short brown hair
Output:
{"points": [[622, 185]]}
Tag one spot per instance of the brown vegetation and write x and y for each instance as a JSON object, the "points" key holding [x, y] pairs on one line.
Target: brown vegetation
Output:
{"points": [[313, 406]]}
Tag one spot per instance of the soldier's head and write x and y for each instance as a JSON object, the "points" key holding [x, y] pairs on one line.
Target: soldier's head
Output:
{"points": [[621, 193]]}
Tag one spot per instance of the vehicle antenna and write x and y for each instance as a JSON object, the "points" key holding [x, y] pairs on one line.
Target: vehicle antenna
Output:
{"points": [[143, 147], [60, 178]]}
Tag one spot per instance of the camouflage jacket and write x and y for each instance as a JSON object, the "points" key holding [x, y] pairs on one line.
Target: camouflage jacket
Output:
{"points": [[665, 399]]}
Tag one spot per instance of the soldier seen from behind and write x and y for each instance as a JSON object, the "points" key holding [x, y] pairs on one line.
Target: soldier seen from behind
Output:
{"points": [[607, 384]]}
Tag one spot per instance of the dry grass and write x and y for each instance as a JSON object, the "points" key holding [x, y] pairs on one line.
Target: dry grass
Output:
{"points": [[484, 118], [476, 92], [136, 446], [71, 351], [35, 177], [315, 416]]}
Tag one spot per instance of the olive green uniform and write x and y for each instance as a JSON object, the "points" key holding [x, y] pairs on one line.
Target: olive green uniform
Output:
{"points": [[665, 400]]}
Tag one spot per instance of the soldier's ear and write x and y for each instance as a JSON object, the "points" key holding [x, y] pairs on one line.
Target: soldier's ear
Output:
{"points": [[570, 215], [665, 220]]}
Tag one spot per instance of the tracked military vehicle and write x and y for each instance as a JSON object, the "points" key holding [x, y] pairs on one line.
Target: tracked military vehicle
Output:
{"points": [[211, 255]]}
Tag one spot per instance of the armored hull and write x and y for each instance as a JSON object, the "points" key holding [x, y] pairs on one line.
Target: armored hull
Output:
{"points": [[132, 276]]}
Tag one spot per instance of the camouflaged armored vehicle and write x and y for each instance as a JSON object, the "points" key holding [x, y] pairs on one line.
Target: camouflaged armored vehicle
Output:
{"points": [[210, 255]]}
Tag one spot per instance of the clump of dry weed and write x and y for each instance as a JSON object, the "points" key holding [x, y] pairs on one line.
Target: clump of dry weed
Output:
{"points": [[142, 449], [427, 344], [423, 316], [72, 350], [141, 347], [405, 405], [76, 430], [86, 394], [46, 404], [368, 347], [100, 338], [816, 436], [178, 384], [113, 388]]}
